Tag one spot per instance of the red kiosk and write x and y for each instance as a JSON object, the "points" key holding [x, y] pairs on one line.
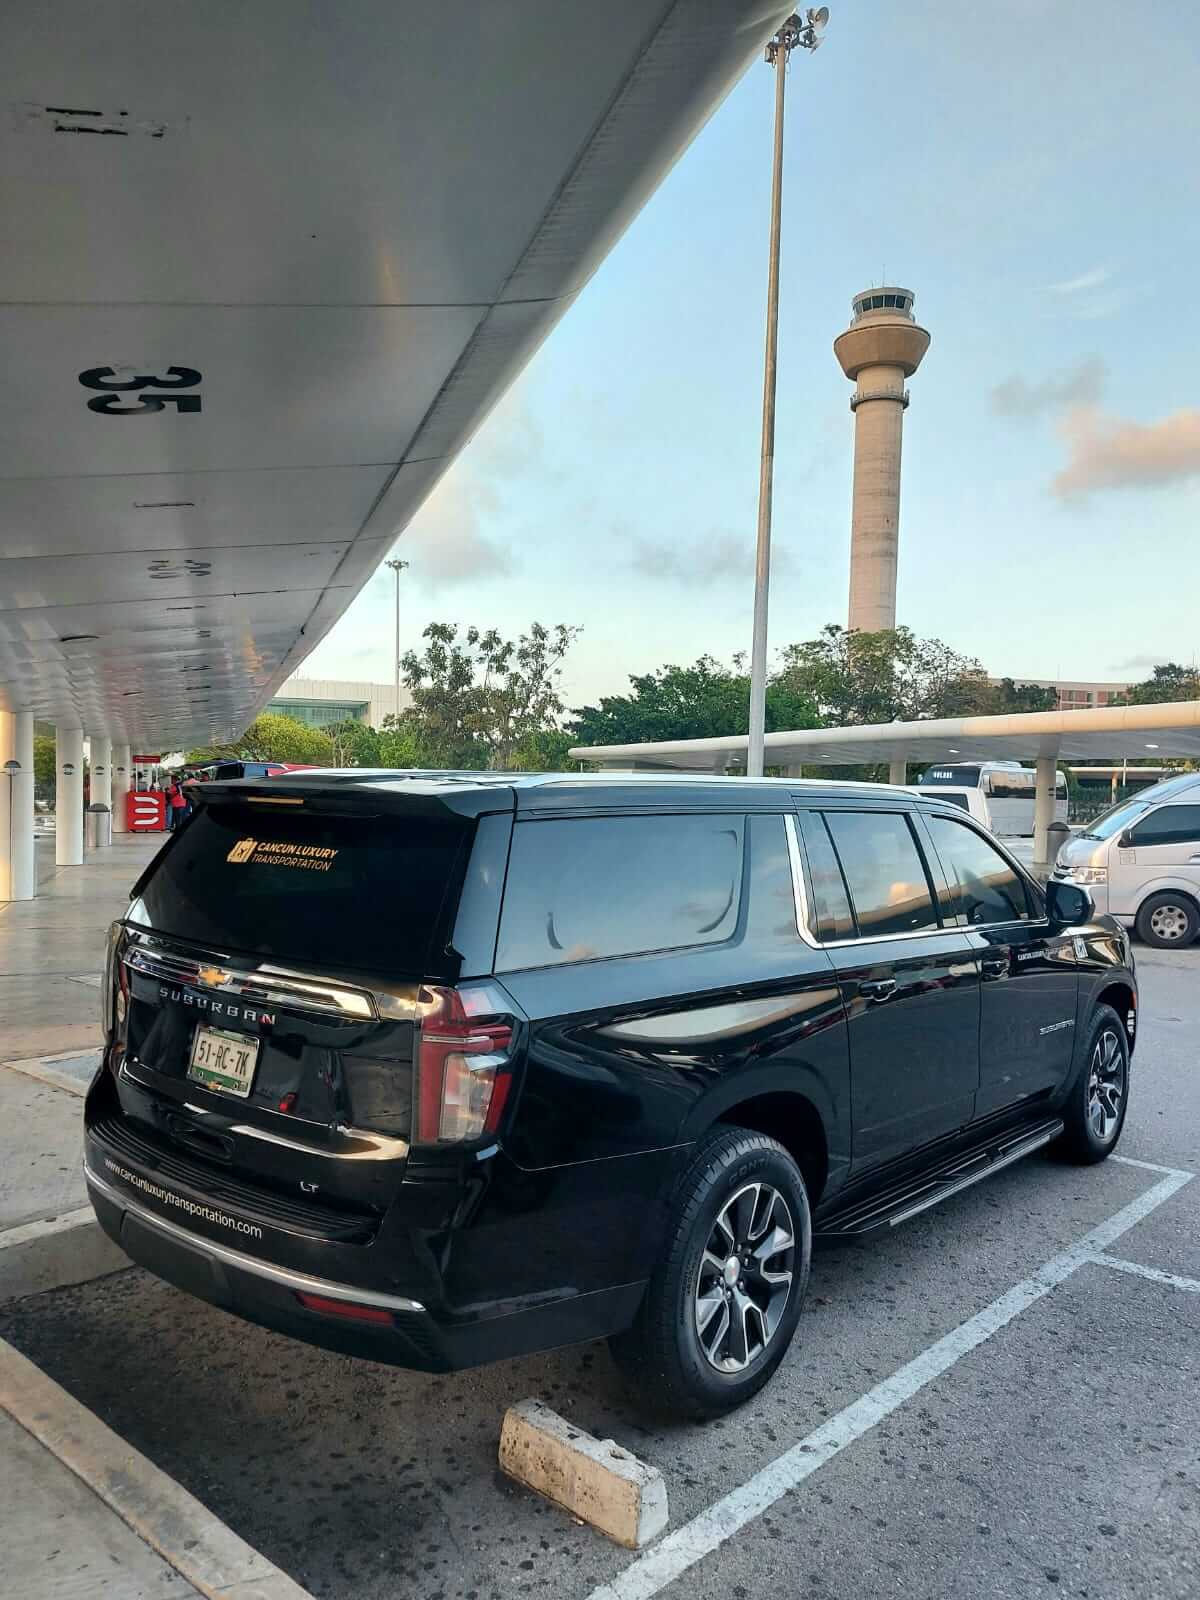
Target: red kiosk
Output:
{"points": [[145, 809]]}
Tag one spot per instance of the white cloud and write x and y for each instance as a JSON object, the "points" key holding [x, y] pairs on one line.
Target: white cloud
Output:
{"points": [[1108, 452], [1086, 280]]}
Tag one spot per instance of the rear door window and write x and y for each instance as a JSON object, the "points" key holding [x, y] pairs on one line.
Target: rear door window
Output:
{"points": [[831, 914], [884, 872], [587, 888], [369, 893]]}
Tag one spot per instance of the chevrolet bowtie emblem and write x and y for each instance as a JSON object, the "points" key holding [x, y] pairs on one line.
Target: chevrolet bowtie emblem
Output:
{"points": [[213, 977]]}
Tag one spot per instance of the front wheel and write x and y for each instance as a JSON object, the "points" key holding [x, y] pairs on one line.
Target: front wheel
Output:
{"points": [[1094, 1115], [725, 1297]]}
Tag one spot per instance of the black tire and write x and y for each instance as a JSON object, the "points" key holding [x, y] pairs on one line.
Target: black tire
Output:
{"points": [[678, 1367], [1095, 1115], [1169, 921]]}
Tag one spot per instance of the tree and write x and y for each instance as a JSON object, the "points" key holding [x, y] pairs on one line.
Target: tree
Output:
{"points": [[703, 701], [354, 743], [272, 737], [854, 678], [1010, 696], [1169, 682], [477, 701], [44, 763]]}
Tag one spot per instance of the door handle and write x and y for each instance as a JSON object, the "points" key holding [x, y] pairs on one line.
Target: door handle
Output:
{"points": [[877, 988], [1192, 860], [996, 967]]}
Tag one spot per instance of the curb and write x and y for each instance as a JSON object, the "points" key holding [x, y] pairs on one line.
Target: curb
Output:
{"points": [[197, 1544], [46, 1070], [73, 1248]]}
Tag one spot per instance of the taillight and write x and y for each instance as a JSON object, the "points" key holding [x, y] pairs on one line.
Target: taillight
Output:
{"points": [[351, 1309], [464, 1069], [113, 990]]}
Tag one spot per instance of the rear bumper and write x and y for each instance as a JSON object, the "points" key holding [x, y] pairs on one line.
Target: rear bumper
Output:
{"points": [[268, 1293]]}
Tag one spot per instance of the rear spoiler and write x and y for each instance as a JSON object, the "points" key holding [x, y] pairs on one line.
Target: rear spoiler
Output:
{"points": [[360, 795]]}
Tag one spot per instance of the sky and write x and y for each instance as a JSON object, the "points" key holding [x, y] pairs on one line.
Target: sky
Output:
{"points": [[1030, 172]]}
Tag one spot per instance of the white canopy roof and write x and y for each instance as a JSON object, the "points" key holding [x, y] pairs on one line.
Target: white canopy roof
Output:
{"points": [[1142, 732]]}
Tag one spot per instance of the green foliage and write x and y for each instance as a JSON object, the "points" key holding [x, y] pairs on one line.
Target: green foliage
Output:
{"points": [[43, 766], [272, 737], [1009, 696], [1169, 682], [856, 678], [478, 702], [354, 744], [703, 701]]}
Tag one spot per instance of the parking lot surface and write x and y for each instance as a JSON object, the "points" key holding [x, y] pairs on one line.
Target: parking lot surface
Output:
{"points": [[1051, 1447]]}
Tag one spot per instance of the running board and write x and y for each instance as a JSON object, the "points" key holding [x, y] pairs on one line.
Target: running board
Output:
{"points": [[890, 1207]]}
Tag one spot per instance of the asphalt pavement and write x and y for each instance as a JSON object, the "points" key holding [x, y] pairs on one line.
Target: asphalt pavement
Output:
{"points": [[1000, 1399]]}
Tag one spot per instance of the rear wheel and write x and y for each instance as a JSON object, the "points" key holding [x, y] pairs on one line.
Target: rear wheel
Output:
{"points": [[724, 1299], [1168, 920], [1095, 1112]]}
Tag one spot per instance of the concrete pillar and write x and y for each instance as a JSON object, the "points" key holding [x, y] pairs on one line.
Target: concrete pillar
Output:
{"points": [[68, 797], [1043, 814], [101, 763], [898, 772], [122, 782], [18, 872]]}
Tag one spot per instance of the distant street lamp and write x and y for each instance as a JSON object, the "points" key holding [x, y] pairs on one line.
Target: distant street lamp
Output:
{"points": [[397, 567], [804, 33]]}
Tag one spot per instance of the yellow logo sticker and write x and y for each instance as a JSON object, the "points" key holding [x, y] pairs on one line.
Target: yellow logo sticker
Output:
{"points": [[242, 850]]}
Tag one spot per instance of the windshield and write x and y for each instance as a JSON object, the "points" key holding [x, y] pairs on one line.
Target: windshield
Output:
{"points": [[1115, 819]]}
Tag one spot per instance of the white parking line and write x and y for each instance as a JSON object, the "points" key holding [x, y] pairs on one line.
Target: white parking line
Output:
{"points": [[705, 1533], [1152, 1274]]}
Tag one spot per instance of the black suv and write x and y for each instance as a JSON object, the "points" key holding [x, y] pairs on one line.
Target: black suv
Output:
{"points": [[438, 1069]]}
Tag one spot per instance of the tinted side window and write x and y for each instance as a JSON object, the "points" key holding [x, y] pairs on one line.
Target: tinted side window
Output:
{"points": [[884, 872], [831, 915], [1169, 825], [590, 887], [983, 886]]}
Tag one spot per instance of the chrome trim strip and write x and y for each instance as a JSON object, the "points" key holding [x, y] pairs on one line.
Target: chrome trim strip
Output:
{"points": [[1025, 1148], [261, 1269], [799, 889], [264, 986]]}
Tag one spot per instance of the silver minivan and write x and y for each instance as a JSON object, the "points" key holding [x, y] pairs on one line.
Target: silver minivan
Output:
{"points": [[1141, 861]]}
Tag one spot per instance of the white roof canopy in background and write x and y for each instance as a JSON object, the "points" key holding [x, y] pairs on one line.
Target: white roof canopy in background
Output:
{"points": [[1143, 733], [266, 267]]}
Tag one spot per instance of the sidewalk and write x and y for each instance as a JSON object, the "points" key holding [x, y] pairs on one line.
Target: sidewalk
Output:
{"points": [[86, 1515], [52, 948]]}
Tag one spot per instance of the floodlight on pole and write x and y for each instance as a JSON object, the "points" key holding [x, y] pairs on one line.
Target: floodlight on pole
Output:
{"points": [[802, 33], [397, 567]]}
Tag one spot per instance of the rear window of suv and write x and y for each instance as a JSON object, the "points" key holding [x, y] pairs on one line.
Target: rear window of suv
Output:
{"points": [[591, 887], [368, 893]]}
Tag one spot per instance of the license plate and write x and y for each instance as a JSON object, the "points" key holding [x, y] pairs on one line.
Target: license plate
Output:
{"points": [[223, 1061]]}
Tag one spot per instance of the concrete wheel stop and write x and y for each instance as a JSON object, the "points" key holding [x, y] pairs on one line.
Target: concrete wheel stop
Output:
{"points": [[595, 1480]]}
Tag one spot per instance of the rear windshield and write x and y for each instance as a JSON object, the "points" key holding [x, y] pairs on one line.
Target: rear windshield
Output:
{"points": [[369, 893]]}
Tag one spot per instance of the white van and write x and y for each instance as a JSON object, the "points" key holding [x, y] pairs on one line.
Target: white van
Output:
{"points": [[1006, 790], [1141, 861]]}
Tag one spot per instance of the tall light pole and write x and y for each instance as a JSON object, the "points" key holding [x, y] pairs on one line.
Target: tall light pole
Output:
{"points": [[397, 567], [806, 33]]}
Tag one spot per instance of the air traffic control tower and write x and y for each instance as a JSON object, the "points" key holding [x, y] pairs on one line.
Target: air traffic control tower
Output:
{"points": [[880, 349]]}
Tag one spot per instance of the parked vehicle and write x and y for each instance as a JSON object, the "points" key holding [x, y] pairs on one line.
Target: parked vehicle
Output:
{"points": [[1006, 789], [969, 798], [1141, 861], [438, 1070]]}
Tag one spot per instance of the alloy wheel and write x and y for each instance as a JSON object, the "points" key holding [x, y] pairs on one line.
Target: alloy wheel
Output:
{"points": [[1106, 1086], [745, 1277]]}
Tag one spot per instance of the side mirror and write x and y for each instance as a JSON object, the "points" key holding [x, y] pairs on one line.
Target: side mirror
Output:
{"points": [[1068, 905], [1125, 842]]}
